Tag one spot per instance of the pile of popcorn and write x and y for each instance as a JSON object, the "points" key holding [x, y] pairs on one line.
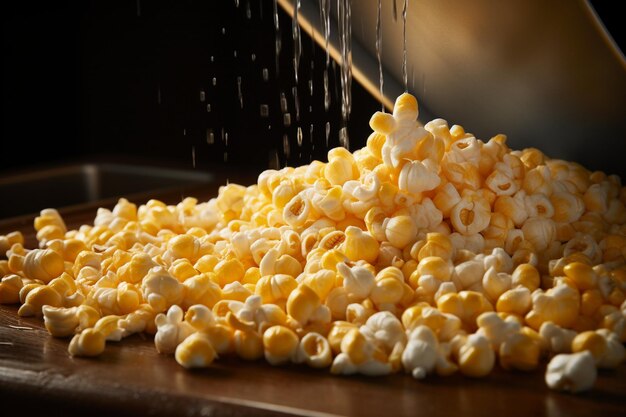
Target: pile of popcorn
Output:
{"points": [[427, 251]]}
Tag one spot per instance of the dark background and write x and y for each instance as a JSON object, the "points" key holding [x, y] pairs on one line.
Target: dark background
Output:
{"points": [[124, 77], [83, 79]]}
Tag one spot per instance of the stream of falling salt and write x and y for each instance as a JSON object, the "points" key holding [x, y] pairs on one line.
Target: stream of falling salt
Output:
{"points": [[286, 148], [325, 17], [239, 93], [327, 132], [299, 136], [344, 14], [278, 43], [297, 43], [379, 39], [326, 91], [404, 72], [294, 91]]}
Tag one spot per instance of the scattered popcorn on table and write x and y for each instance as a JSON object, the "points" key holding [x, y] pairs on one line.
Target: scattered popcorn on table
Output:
{"points": [[428, 251]]}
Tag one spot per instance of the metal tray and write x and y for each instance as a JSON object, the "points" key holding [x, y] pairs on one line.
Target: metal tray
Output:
{"points": [[80, 184]]}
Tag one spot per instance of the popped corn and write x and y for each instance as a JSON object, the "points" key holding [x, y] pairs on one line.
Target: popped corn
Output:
{"points": [[427, 251]]}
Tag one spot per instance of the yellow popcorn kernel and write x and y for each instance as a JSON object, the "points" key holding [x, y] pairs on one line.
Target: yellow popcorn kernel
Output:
{"points": [[471, 215], [567, 207], [476, 358], [515, 301], [356, 346], [10, 286], [466, 305], [275, 288], [382, 123], [539, 232], [248, 345], [375, 144], [591, 341], [37, 298], [302, 303], [388, 287], [596, 198], [437, 267], [282, 194], [341, 167], [512, 207], [400, 230], [6, 241], [280, 344], [559, 305], [519, 352], [296, 212], [196, 351], [359, 245], [90, 342], [374, 220], [581, 274], [314, 350], [229, 270], [331, 258], [532, 157], [38, 264], [332, 240], [49, 217], [538, 181]]}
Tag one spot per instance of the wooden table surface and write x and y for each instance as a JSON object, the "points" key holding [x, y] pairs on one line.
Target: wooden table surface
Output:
{"points": [[37, 376]]}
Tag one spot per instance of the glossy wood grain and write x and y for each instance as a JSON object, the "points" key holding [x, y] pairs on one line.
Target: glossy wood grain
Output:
{"points": [[37, 376]]}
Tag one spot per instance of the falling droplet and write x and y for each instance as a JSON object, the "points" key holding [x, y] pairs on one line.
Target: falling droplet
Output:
{"points": [[212, 58], [299, 136], [193, 156], [236, 3], [311, 87], [325, 16], [283, 103], [208, 108], [287, 119], [248, 10], [253, 57], [202, 96], [223, 31], [310, 109], [326, 91], [226, 139], [344, 140], [265, 110], [235, 53], [214, 81], [276, 25], [294, 91], [286, 147], [311, 132], [266, 74], [404, 73], [239, 94], [297, 43], [184, 132], [327, 132], [344, 12], [210, 136]]}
